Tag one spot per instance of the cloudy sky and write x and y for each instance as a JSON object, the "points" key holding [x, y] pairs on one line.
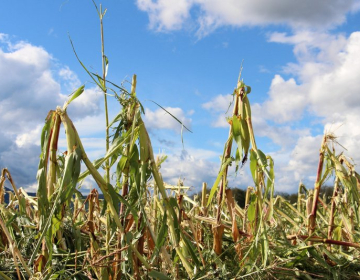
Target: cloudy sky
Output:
{"points": [[301, 58]]}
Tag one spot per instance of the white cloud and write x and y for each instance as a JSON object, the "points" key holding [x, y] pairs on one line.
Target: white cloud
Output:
{"points": [[324, 90], [193, 166], [303, 163], [211, 14], [287, 100], [166, 14], [328, 89], [159, 119], [329, 80], [30, 86], [72, 80], [29, 138], [219, 106]]}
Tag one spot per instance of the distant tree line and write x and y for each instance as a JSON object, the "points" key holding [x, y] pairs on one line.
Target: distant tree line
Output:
{"points": [[326, 193]]}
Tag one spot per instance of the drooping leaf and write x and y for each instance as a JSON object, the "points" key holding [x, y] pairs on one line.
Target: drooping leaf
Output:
{"points": [[251, 212], [87, 71], [217, 181], [191, 250], [172, 116], [161, 238], [74, 95], [253, 164]]}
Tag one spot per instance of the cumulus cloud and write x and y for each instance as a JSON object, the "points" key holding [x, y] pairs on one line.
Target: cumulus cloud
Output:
{"points": [[31, 85], [211, 14], [328, 91], [219, 106], [323, 89], [160, 119], [166, 14], [328, 81], [194, 166], [286, 101]]}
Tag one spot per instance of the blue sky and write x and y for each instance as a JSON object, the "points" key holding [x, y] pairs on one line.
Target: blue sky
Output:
{"points": [[301, 59]]}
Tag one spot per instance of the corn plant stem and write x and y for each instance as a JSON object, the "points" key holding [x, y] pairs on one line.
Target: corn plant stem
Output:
{"points": [[107, 139], [151, 226], [298, 213], [323, 240], [312, 217], [299, 201], [247, 202], [102, 185], [249, 122], [260, 176], [117, 268], [5, 170], [51, 181], [197, 241], [46, 227], [203, 209], [226, 155], [217, 241], [290, 220], [332, 211], [3, 275], [14, 250], [2, 187], [107, 163], [125, 182], [74, 138], [147, 154], [169, 210]]}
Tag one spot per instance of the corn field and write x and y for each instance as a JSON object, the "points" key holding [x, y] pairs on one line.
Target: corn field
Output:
{"points": [[145, 228]]}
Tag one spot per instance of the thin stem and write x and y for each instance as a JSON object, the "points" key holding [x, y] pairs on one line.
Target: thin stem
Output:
{"points": [[312, 217], [53, 149], [333, 208], [107, 163]]}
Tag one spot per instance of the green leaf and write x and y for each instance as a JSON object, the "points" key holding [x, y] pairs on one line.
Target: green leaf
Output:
{"points": [[158, 275], [262, 158], [87, 71], [251, 212], [115, 197], [217, 181], [247, 108], [245, 135], [122, 163], [238, 157], [161, 238], [71, 174], [236, 131], [173, 203], [74, 95], [9, 221], [191, 250], [114, 148], [248, 89], [117, 118], [262, 161], [132, 210], [253, 164]]}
